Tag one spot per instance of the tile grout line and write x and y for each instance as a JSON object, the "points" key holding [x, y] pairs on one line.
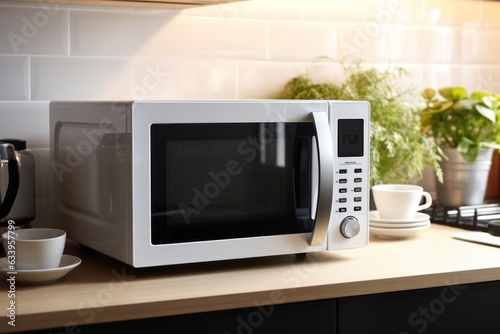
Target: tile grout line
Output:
{"points": [[30, 82]]}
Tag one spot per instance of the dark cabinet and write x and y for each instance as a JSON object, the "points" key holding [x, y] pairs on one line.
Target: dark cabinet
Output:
{"points": [[471, 308], [318, 317]]}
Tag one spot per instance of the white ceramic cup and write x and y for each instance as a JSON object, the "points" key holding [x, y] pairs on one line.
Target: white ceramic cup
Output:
{"points": [[35, 248], [399, 201]]}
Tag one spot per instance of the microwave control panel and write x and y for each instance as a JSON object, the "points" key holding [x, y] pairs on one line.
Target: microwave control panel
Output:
{"points": [[349, 226]]}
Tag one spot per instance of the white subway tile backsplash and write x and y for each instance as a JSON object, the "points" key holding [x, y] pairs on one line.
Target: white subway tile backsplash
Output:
{"points": [[226, 51], [479, 78], [424, 45], [472, 78], [436, 76], [267, 80], [367, 42], [244, 50], [264, 80], [479, 46], [40, 29], [301, 41], [450, 13], [112, 34], [136, 35], [270, 9], [201, 79], [254, 9], [327, 71], [412, 79], [398, 12], [146, 78], [69, 78], [336, 10], [488, 79], [213, 38], [491, 14], [14, 78], [161, 78], [25, 120], [42, 185], [223, 10], [381, 12]]}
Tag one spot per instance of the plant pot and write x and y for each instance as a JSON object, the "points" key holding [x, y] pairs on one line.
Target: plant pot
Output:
{"points": [[464, 183]]}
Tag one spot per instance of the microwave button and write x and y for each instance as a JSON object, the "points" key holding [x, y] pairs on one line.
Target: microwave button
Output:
{"points": [[342, 209], [342, 200], [357, 189], [357, 180], [357, 199], [343, 171], [343, 181], [357, 208], [357, 170], [342, 190]]}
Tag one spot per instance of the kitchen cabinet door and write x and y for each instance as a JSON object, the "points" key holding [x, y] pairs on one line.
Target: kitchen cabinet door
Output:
{"points": [[318, 317], [471, 308]]}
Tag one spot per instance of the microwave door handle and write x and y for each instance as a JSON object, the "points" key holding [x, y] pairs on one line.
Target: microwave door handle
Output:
{"points": [[325, 178]]}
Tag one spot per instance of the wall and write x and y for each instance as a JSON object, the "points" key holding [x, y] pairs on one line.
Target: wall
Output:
{"points": [[247, 49]]}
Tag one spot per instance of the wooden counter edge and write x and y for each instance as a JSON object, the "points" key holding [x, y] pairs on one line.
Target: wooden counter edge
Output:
{"points": [[73, 318]]}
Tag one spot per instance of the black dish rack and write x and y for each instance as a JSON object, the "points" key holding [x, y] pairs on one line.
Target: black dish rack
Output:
{"points": [[472, 217]]}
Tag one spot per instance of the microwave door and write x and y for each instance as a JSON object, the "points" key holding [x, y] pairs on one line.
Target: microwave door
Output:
{"points": [[325, 178], [224, 181]]}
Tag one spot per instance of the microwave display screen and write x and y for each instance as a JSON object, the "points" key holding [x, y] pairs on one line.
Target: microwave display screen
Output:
{"points": [[350, 138], [230, 180]]}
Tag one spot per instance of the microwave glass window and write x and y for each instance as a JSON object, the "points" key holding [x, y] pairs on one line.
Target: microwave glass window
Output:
{"points": [[224, 181], [350, 138]]}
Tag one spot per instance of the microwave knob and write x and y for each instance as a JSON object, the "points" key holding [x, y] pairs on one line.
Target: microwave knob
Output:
{"points": [[350, 227]]}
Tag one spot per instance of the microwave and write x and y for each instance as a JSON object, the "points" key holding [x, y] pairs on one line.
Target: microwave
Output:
{"points": [[155, 183]]}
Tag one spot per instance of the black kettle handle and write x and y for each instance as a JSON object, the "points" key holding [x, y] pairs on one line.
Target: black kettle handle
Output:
{"points": [[8, 151]]}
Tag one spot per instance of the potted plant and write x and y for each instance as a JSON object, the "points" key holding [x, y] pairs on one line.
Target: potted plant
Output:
{"points": [[398, 152], [467, 128]]}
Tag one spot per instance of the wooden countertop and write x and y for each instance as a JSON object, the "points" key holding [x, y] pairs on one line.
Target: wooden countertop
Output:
{"points": [[102, 289]]}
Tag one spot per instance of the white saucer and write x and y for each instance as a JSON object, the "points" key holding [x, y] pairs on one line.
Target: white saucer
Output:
{"points": [[397, 233], [68, 263], [419, 217], [400, 225]]}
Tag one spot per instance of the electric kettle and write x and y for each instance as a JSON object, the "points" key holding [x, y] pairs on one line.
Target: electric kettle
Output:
{"points": [[17, 183]]}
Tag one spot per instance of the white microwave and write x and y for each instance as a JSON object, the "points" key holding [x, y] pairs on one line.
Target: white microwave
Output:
{"points": [[155, 183]]}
